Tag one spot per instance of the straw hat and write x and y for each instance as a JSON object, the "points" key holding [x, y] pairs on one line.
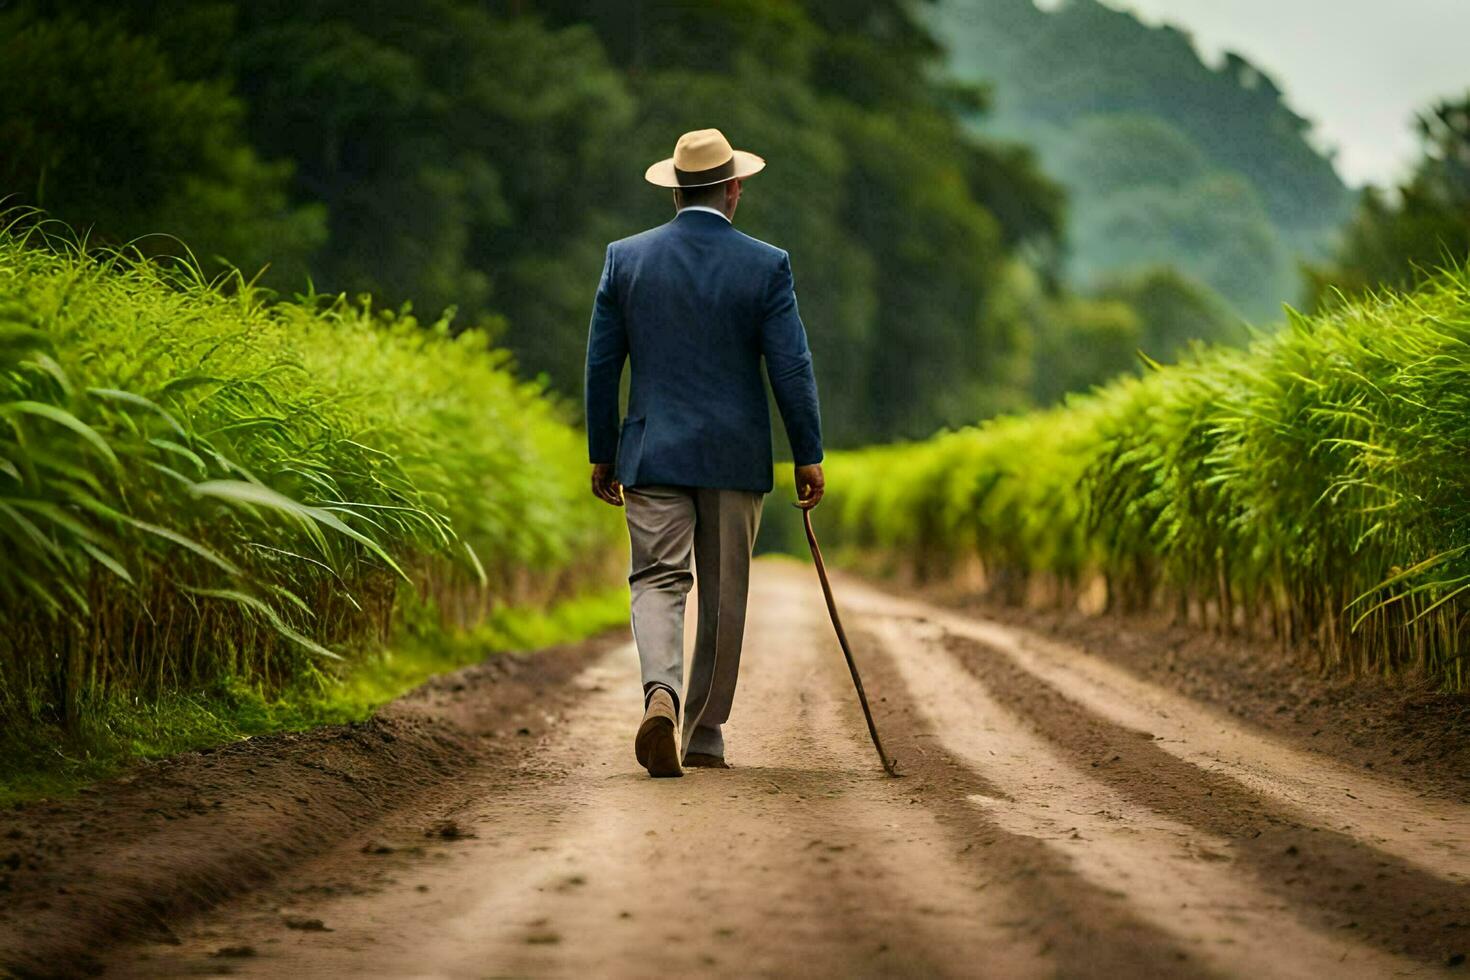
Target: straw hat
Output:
{"points": [[701, 158]]}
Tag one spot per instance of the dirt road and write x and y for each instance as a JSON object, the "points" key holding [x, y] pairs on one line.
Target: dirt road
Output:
{"points": [[1057, 816]]}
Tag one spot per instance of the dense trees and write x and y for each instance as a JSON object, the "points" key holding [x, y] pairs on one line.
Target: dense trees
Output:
{"points": [[1165, 158], [900, 223], [1173, 312], [479, 155], [98, 127], [476, 156], [1069, 343]]}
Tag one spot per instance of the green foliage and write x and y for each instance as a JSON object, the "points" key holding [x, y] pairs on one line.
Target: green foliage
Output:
{"points": [[1117, 153], [917, 203], [196, 485], [480, 156], [1072, 343], [1397, 240], [1165, 158], [901, 225], [1083, 343], [476, 157], [1310, 487], [483, 147], [99, 130], [1212, 229], [1173, 312]]}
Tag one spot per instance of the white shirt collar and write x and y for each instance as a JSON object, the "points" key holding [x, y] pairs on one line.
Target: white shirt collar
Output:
{"points": [[703, 207]]}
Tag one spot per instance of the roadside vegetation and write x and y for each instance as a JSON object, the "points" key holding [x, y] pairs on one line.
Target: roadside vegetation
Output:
{"points": [[216, 505], [1311, 488]]}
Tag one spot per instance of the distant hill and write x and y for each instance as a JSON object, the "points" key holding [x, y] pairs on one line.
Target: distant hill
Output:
{"points": [[1166, 159]]}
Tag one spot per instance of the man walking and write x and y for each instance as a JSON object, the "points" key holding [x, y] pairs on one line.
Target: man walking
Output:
{"points": [[694, 306]]}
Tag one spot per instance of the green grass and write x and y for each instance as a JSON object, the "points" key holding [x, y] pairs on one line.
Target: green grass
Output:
{"points": [[49, 761], [1313, 488], [209, 497]]}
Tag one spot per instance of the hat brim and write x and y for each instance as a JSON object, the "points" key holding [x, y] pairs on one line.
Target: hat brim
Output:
{"points": [[662, 174]]}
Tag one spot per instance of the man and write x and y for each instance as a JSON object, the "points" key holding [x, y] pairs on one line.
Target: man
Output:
{"points": [[694, 306]]}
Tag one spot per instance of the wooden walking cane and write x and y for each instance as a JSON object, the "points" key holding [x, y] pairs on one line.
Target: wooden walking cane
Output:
{"points": [[889, 766]]}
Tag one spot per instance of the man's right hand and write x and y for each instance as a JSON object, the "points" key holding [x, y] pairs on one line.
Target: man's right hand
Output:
{"points": [[809, 486], [605, 485]]}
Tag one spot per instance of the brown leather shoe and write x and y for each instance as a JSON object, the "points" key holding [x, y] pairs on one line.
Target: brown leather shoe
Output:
{"points": [[657, 744], [703, 760]]}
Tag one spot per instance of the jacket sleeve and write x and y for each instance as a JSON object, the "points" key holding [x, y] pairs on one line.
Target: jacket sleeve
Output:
{"points": [[789, 366], [607, 349]]}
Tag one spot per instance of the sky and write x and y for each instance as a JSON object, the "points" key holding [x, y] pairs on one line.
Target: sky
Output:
{"points": [[1359, 69]]}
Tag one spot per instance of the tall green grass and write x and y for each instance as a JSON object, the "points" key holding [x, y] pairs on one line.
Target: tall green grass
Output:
{"points": [[198, 484], [1314, 487]]}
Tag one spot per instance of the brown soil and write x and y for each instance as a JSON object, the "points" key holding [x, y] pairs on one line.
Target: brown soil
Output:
{"points": [[134, 855], [1087, 929], [1344, 883], [1404, 728], [1058, 815]]}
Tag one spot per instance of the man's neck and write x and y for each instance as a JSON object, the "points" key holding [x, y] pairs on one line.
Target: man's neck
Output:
{"points": [[704, 207]]}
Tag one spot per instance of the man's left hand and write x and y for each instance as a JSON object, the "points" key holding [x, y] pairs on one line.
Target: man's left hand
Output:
{"points": [[810, 485], [605, 485]]}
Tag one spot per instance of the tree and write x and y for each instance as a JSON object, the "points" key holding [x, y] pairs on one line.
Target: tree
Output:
{"points": [[460, 156], [479, 155], [1396, 239], [100, 132], [1066, 343], [1088, 343], [1163, 157], [1174, 312], [899, 221]]}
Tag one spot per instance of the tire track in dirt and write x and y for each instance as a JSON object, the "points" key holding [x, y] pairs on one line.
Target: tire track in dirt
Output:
{"points": [[1351, 851], [1345, 883], [1088, 928], [1178, 877], [1429, 832]]}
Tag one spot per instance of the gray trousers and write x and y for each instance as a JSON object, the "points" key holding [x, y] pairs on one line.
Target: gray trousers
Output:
{"points": [[665, 526]]}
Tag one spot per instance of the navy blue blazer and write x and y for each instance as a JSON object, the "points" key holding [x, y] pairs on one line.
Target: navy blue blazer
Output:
{"points": [[694, 305]]}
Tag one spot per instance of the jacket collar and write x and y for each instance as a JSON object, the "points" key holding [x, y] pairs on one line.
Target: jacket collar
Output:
{"points": [[699, 212]]}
